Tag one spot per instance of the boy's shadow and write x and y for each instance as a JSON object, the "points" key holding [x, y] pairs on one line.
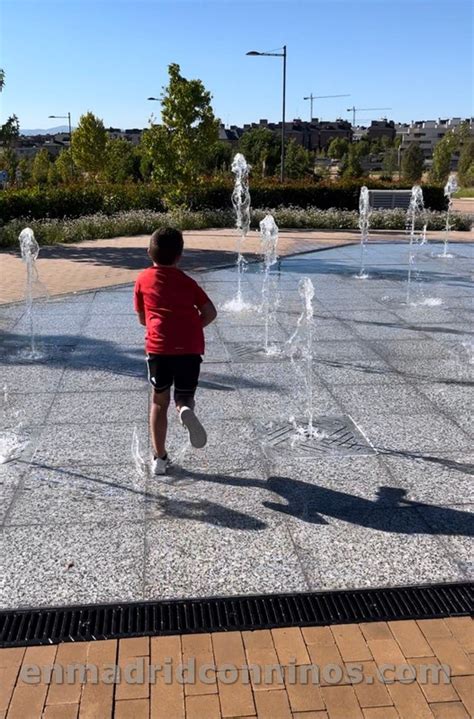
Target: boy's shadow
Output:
{"points": [[312, 503]]}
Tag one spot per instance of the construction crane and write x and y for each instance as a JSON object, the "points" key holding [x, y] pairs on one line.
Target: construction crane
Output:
{"points": [[354, 109], [312, 97]]}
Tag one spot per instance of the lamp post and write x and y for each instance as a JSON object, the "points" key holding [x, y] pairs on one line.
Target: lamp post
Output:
{"points": [[68, 118], [64, 117], [256, 53]]}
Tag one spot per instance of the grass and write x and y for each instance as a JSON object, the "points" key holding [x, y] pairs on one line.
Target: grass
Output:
{"points": [[464, 192], [139, 222]]}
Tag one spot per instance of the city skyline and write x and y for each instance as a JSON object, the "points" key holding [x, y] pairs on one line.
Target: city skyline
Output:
{"points": [[109, 57]]}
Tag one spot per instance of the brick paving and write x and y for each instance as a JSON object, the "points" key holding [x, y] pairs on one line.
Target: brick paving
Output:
{"points": [[103, 263], [287, 696]]}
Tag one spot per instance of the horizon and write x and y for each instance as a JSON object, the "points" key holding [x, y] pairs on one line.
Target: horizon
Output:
{"points": [[333, 48]]}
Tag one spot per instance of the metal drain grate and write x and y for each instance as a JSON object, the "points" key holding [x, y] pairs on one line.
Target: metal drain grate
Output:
{"points": [[89, 623], [240, 352], [339, 435]]}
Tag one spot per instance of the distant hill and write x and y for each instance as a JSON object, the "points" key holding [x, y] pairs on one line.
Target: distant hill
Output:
{"points": [[47, 131]]}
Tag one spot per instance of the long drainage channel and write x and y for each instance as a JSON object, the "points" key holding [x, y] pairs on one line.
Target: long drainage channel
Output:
{"points": [[28, 627]]}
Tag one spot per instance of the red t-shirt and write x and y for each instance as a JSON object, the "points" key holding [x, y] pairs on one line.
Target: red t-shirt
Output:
{"points": [[170, 300]]}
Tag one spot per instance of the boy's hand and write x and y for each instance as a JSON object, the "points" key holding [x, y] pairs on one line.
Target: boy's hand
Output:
{"points": [[141, 318], [208, 313]]}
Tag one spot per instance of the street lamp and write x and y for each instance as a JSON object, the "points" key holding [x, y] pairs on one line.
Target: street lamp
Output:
{"points": [[256, 53], [64, 117], [68, 118]]}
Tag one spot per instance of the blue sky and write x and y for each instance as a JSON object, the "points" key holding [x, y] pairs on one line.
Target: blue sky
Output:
{"points": [[108, 56]]}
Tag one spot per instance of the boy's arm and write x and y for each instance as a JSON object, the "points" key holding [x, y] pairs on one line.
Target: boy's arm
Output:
{"points": [[138, 303], [208, 313]]}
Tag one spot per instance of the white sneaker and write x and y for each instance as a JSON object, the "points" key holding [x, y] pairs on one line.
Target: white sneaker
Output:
{"points": [[159, 466], [197, 433]]}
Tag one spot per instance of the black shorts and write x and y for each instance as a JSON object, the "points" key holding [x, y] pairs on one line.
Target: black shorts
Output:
{"points": [[180, 370]]}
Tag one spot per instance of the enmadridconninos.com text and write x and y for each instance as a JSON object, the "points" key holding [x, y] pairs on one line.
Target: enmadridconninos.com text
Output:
{"points": [[141, 671]]}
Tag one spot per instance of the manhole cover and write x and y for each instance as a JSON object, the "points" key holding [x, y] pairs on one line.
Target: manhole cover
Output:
{"points": [[335, 435], [240, 352]]}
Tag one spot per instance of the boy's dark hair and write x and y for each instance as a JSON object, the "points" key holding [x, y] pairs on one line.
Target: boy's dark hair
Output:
{"points": [[166, 245]]}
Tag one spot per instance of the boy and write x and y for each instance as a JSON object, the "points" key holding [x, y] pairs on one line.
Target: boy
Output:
{"points": [[174, 310]]}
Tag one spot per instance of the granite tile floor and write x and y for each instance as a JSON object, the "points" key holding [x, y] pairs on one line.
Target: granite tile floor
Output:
{"points": [[82, 522]]}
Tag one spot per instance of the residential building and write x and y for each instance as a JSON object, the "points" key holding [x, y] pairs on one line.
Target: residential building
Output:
{"points": [[427, 133]]}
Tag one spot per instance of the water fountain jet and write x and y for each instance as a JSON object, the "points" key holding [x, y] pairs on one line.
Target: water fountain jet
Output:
{"points": [[241, 205], [415, 212], [449, 189], [29, 253], [364, 224], [269, 239]]}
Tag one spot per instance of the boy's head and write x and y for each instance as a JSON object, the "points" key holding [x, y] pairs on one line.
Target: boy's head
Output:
{"points": [[166, 246]]}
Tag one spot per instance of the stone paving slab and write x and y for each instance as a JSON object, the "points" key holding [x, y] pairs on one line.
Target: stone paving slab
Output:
{"points": [[381, 670], [99, 263], [82, 524]]}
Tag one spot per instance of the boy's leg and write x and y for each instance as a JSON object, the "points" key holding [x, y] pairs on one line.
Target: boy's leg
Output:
{"points": [[186, 376], [160, 376], [159, 421]]}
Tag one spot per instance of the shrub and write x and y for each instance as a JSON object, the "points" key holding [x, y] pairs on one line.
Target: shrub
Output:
{"points": [[76, 200], [136, 222]]}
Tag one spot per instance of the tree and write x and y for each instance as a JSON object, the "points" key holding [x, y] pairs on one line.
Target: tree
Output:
{"points": [[40, 169], [262, 149], [64, 166], [53, 175], [350, 166], [412, 163], [442, 156], [88, 144], [9, 131], [2, 79], [23, 171], [220, 157], [181, 146], [338, 147], [298, 162], [119, 160], [466, 163], [361, 148], [8, 162], [390, 162]]}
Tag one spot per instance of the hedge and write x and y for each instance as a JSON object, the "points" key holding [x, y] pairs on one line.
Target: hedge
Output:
{"points": [[74, 201], [136, 222]]}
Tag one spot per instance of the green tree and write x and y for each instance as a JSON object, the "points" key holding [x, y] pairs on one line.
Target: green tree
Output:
{"points": [[64, 166], [40, 169], [361, 148], [466, 163], [119, 160], [88, 144], [390, 162], [350, 166], [262, 149], [338, 147], [220, 158], [24, 171], [298, 161], [9, 131], [412, 163], [8, 162], [442, 156], [180, 147], [54, 177]]}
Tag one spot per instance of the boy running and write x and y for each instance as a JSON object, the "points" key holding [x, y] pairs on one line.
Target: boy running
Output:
{"points": [[174, 310]]}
